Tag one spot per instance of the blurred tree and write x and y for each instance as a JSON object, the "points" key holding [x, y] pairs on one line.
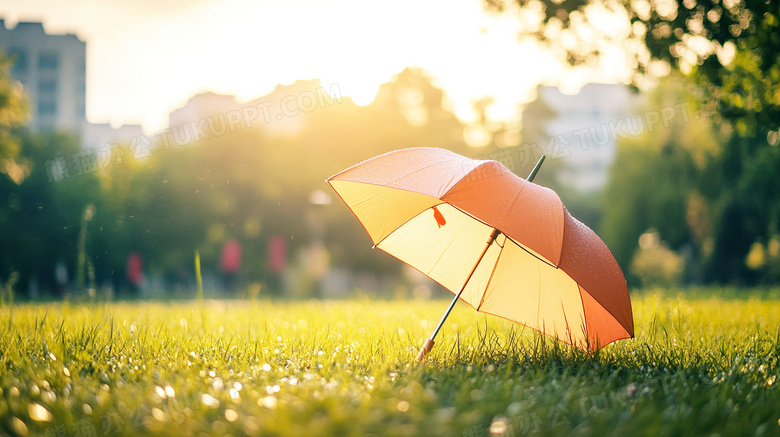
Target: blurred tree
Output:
{"points": [[45, 186], [654, 264], [731, 51], [13, 113], [416, 113], [40, 215], [655, 182], [256, 183], [250, 184], [193, 197]]}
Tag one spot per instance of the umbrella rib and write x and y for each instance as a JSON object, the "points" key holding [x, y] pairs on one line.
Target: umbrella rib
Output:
{"points": [[517, 196], [360, 202], [419, 170], [566, 322], [453, 179], [539, 302], [429, 343], [531, 253], [492, 272], [365, 228], [468, 175], [441, 202], [507, 237], [584, 314]]}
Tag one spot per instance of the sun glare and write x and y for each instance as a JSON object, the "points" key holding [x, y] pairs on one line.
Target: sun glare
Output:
{"points": [[361, 90], [246, 48]]}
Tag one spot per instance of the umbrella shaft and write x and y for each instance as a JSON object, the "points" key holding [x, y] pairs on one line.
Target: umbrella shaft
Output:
{"points": [[491, 239]]}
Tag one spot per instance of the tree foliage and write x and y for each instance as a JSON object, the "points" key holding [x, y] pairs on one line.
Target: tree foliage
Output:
{"points": [[730, 52], [13, 113], [251, 184], [655, 184]]}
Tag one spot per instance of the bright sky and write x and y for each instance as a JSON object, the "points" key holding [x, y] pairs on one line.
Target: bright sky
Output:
{"points": [[147, 57]]}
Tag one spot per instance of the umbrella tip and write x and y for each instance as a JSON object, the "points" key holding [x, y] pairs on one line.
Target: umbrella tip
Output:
{"points": [[538, 165]]}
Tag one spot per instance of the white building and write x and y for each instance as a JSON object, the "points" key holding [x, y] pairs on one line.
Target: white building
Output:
{"points": [[203, 105], [281, 112], [581, 129], [52, 69], [96, 135]]}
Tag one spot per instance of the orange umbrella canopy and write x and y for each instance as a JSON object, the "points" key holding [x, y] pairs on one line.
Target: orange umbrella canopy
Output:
{"points": [[434, 210]]}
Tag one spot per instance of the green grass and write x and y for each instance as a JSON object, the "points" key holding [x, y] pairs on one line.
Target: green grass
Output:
{"points": [[699, 366]]}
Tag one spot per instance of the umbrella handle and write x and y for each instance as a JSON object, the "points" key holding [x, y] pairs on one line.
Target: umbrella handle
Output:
{"points": [[425, 349]]}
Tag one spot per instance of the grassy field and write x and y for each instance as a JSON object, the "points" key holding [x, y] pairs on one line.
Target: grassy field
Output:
{"points": [[702, 364]]}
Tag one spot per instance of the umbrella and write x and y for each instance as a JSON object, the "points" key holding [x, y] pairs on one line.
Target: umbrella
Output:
{"points": [[503, 244]]}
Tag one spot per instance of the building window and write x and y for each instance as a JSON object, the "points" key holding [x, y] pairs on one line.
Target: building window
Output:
{"points": [[48, 61], [47, 87], [20, 60], [47, 108]]}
